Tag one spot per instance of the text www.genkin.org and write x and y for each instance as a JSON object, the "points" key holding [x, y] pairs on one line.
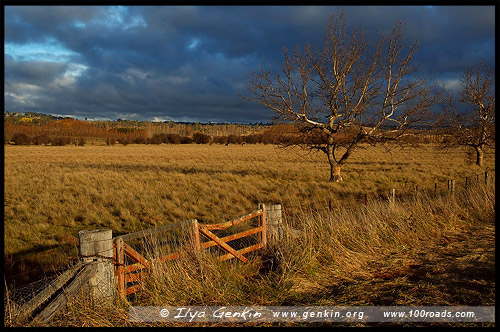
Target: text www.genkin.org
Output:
{"points": [[310, 314]]}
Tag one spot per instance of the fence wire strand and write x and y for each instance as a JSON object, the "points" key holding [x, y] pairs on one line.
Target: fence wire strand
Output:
{"points": [[16, 297]]}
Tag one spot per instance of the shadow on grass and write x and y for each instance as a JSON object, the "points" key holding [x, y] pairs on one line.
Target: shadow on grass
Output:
{"points": [[458, 271], [173, 169], [27, 266]]}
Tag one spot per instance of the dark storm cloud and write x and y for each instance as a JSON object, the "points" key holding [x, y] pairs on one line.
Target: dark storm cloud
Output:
{"points": [[191, 63], [33, 72]]}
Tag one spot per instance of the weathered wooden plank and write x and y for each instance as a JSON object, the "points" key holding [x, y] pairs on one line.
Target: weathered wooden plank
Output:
{"points": [[133, 289], [232, 237], [242, 251], [134, 277], [50, 290], [234, 222], [120, 268], [134, 254], [222, 244], [80, 280], [134, 267], [156, 230], [170, 257]]}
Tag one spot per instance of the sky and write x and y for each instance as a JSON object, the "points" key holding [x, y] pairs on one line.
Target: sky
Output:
{"points": [[191, 63]]}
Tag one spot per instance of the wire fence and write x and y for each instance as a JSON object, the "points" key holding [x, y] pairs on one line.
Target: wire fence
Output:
{"points": [[15, 297], [354, 201]]}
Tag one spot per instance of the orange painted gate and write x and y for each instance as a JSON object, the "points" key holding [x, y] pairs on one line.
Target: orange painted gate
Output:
{"points": [[131, 267]]}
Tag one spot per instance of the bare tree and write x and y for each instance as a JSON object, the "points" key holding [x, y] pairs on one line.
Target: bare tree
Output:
{"points": [[475, 128], [347, 92]]}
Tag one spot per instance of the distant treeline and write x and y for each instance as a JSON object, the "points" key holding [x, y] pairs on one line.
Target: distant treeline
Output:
{"points": [[34, 128], [75, 132], [38, 122]]}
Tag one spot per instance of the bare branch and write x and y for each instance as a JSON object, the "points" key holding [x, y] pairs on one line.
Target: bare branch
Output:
{"points": [[350, 88]]}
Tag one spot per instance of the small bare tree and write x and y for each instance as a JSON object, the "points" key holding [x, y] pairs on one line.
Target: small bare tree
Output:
{"points": [[475, 128], [347, 92]]}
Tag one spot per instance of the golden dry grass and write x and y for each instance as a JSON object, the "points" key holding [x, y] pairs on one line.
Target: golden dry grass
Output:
{"points": [[51, 193], [424, 251], [55, 191]]}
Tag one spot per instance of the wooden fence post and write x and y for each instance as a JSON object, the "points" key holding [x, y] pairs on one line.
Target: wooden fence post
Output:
{"points": [[196, 235], [392, 197], [30, 306], [97, 245], [81, 279], [120, 269], [274, 221], [451, 186], [263, 223]]}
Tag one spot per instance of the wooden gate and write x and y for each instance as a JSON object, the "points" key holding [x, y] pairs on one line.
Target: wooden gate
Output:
{"points": [[223, 242], [131, 267]]}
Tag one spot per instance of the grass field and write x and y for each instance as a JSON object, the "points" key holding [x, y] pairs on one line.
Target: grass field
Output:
{"points": [[51, 193]]}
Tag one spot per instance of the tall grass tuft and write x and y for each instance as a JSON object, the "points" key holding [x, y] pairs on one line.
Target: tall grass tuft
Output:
{"points": [[330, 245]]}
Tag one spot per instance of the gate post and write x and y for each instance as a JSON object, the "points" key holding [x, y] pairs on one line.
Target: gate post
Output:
{"points": [[263, 223], [392, 197], [196, 235], [97, 245], [274, 221], [120, 269]]}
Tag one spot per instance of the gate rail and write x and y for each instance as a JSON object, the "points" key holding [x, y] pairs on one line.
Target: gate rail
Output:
{"points": [[128, 276]]}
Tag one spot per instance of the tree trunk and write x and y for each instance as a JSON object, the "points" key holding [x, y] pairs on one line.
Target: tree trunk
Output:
{"points": [[479, 155], [334, 165], [335, 173]]}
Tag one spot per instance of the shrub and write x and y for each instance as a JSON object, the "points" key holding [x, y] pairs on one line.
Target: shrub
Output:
{"points": [[200, 138], [159, 138], [21, 139], [234, 139], [220, 140], [253, 139], [173, 139], [110, 141], [154, 140], [60, 141], [124, 141], [186, 140], [140, 140], [41, 139]]}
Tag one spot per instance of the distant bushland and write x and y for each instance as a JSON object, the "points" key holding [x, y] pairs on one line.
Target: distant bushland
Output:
{"points": [[58, 132]]}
